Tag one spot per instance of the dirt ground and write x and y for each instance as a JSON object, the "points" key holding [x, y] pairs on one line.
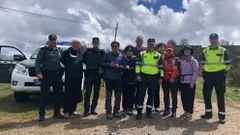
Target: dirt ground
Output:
{"points": [[98, 125]]}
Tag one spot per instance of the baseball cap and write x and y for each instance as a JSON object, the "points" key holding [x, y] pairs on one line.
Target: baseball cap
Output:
{"points": [[213, 36], [151, 41], [52, 37], [95, 39]]}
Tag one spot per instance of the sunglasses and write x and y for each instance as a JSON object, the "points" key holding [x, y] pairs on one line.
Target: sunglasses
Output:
{"points": [[129, 50], [52, 39], [113, 46]]}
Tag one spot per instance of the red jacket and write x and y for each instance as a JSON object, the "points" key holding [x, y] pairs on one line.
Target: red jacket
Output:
{"points": [[170, 68]]}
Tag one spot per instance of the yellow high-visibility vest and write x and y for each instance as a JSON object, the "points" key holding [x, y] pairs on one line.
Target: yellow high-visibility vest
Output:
{"points": [[149, 63], [214, 60]]}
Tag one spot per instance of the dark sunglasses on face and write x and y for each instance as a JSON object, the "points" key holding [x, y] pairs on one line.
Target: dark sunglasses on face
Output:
{"points": [[52, 39], [114, 46]]}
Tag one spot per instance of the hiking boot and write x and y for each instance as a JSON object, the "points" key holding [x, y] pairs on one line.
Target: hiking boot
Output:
{"points": [[221, 118], [58, 116], [173, 116], [94, 113], [117, 115], [109, 116], [207, 115], [188, 116], [86, 114], [41, 118], [166, 113], [183, 115], [222, 121]]}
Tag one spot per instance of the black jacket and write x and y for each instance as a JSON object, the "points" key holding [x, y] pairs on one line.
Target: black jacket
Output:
{"points": [[129, 76], [92, 58], [73, 63]]}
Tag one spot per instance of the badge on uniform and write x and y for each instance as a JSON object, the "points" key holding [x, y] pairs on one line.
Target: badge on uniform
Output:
{"points": [[219, 54], [156, 57]]}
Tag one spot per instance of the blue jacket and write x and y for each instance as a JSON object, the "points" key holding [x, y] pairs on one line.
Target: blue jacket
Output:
{"points": [[111, 72]]}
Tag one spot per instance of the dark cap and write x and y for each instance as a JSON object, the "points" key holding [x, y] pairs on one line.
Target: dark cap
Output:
{"points": [[213, 36], [151, 41], [95, 39], [52, 37]]}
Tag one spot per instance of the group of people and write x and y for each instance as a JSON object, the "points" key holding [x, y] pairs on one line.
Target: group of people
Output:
{"points": [[130, 73]]}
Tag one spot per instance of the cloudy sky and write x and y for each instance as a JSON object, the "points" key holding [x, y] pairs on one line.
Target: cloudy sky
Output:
{"points": [[161, 19]]}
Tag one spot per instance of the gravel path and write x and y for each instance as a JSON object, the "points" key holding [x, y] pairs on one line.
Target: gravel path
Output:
{"points": [[98, 125]]}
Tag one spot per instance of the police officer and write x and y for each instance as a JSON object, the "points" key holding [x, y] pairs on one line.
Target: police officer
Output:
{"points": [[49, 72], [216, 63], [148, 74], [92, 58], [72, 59]]}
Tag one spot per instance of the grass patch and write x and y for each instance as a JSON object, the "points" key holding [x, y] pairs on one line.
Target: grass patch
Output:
{"points": [[12, 112], [232, 94]]}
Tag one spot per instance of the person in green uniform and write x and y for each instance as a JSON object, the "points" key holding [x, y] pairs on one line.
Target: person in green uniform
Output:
{"points": [[49, 72]]}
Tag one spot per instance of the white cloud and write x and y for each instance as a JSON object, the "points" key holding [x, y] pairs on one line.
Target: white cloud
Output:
{"points": [[201, 18]]}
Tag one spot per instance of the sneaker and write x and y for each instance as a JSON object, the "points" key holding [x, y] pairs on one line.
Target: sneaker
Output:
{"points": [[66, 115], [76, 113], [117, 115], [130, 113], [166, 113], [207, 115], [41, 118], [188, 116], [139, 116], [157, 110], [183, 115], [58, 116], [86, 114], [222, 121], [109, 116]]}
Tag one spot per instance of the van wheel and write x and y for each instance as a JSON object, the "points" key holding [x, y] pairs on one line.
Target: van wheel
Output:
{"points": [[21, 97]]}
